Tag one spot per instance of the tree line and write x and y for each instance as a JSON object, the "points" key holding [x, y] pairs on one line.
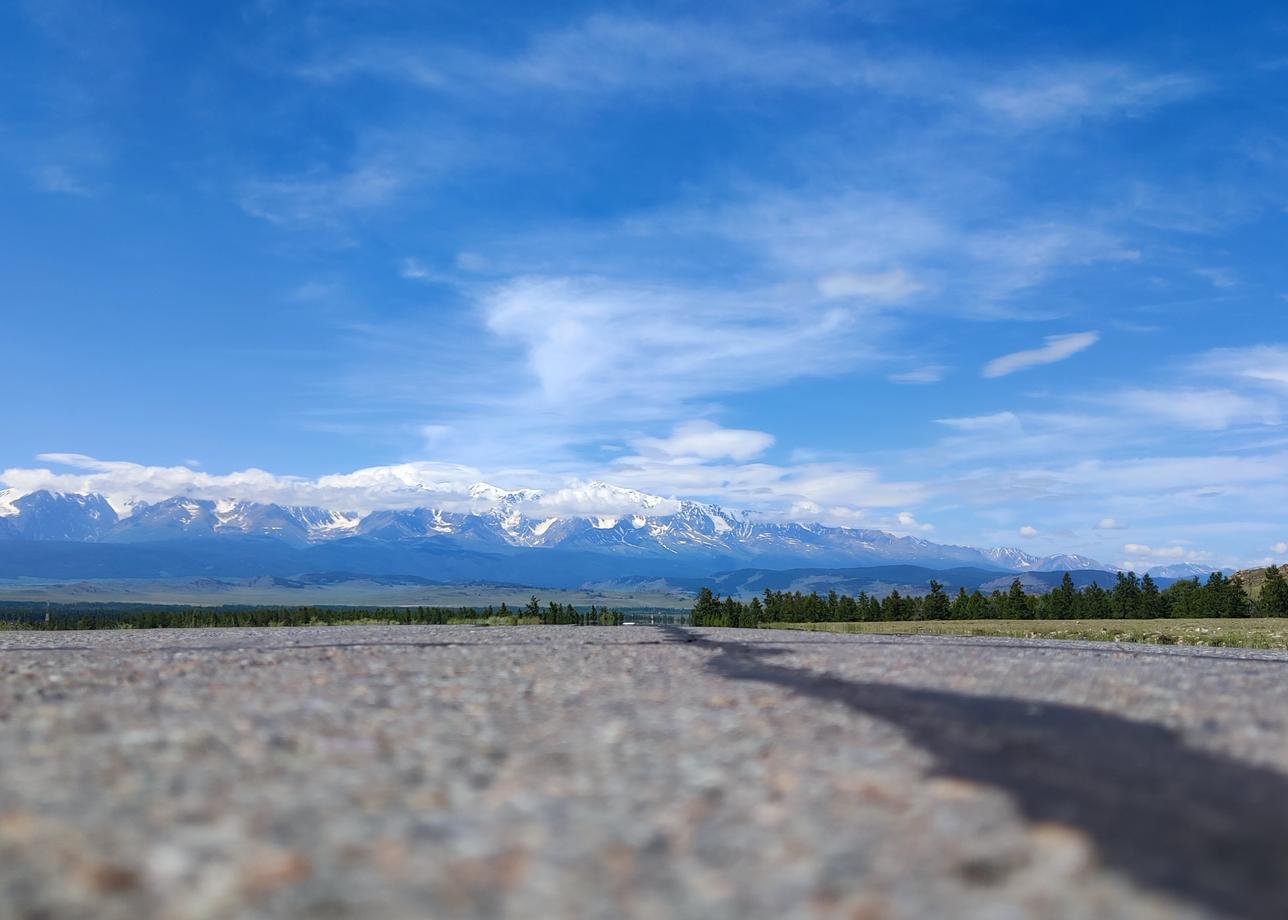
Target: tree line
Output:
{"points": [[1131, 597], [555, 614], [112, 616]]}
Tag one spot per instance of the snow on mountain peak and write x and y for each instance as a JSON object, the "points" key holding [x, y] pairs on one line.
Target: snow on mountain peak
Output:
{"points": [[1010, 557], [483, 491], [7, 498]]}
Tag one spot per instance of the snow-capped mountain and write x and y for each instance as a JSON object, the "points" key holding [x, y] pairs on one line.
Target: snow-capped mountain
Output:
{"points": [[641, 532], [1184, 570], [1017, 560], [56, 516], [188, 518]]}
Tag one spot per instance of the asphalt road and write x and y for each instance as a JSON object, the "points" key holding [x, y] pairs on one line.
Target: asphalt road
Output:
{"points": [[635, 772]]}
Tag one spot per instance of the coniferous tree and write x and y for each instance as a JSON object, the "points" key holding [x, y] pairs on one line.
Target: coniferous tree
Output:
{"points": [[1063, 600], [936, 605], [1273, 601], [1152, 605], [1015, 606], [1236, 601], [706, 609], [1126, 596], [1095, 603]]}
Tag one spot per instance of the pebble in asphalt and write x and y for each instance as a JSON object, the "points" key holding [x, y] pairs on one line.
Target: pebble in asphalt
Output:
{"points": [[449, 771]]}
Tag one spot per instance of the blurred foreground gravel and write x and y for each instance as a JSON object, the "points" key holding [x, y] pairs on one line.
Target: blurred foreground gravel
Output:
{"points": [[635, 772]]}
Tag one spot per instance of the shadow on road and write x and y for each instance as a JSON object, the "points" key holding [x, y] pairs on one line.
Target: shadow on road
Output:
{"points": [[1183, 821]]}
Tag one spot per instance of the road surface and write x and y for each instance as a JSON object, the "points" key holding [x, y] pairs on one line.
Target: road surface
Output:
{"points": [[636, 772]]}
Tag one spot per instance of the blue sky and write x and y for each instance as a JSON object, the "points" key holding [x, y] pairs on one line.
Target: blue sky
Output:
{"points": [[1006, 273]]}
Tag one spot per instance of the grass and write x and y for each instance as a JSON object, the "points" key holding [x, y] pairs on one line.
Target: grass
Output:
{"points": [[1265, 633]]}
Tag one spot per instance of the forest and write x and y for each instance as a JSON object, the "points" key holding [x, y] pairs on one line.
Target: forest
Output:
{"points": [[125, 616], [1131, 597]]}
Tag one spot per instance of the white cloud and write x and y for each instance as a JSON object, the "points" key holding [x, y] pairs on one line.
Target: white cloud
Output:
{"points": [[1057, 348], [1280, 548], [1211, 410], [322, 197], [998, 421], [702, 468], [929, 373], [412, 269], [651, 349], [906, 522], [604, 54], [1060, 92], [888, 287], [1218, 277], [1261, 364], [1156, 552], [707, 441], [1028, 532], [1108, 523]]}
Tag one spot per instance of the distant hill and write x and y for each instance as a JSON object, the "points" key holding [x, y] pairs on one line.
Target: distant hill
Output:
{"points": [[1253, 579], [878, 581]]}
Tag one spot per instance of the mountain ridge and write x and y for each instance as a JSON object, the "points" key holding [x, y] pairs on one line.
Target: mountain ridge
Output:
{"points": [[643, 534]]}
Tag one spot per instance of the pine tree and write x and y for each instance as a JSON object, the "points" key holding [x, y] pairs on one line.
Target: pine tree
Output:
{"points": [[1151, 601], [936, 606], [1237, 602], [1062, 604], [1126, 596], [1273, 601], [706, 609], [1016, 605]]}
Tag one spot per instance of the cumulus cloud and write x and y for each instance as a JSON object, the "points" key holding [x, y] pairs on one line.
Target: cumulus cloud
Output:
{"points": [[907, 522], [1157, 552], [1108, 523], [1057, 348], [124, 483], [831, 492], [1028, 531]]}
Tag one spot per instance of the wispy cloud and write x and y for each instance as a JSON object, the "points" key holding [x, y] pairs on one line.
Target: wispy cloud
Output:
{"points": [[55, 177], [888, 286], [707, 441], [1214, 410], [926, 374], [323, 197], [1059, 92], [650, 349], [1057, 348], [1265, 365]]}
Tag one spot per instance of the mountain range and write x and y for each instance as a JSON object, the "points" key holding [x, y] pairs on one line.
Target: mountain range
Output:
{"points": [[500, 539]]}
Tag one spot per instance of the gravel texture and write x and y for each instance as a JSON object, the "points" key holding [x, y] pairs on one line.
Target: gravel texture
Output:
{"points": [[635, 772]]}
